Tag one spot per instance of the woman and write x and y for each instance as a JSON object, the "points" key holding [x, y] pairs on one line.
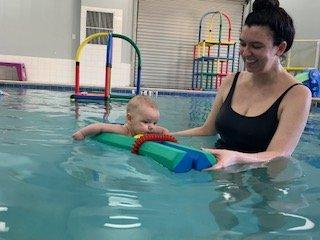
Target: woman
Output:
{"points": [[259, 113]]}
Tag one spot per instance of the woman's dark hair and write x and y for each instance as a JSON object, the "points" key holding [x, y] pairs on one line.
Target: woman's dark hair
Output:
{"points": [[268, 13]]}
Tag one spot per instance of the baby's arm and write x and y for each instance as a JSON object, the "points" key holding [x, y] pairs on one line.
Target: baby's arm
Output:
{"points": [[97, 128]]}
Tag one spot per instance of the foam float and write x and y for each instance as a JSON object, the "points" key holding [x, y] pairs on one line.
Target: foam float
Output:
{"points": [[163, 149]]}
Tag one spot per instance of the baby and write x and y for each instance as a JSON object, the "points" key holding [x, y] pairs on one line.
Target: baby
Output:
{"points": [[142, 117]]}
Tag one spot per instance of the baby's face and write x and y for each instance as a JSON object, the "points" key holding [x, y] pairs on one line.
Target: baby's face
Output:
{"points": [[144, 120]]}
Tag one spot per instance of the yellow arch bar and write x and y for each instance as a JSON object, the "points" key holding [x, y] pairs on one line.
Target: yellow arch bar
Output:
{"points": [[298, 68], [85, 42]]}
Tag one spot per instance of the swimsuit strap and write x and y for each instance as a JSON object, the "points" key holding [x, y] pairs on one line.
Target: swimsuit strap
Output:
{"points": [[230, 94], [285, 92]]}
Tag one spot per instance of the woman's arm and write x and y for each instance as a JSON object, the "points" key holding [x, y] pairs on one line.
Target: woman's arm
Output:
{"points": [[292, 120], [97, 128], [209, 128]]}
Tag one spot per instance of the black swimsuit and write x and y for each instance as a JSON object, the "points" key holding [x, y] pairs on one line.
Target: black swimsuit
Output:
{"points": [[246, 134]]}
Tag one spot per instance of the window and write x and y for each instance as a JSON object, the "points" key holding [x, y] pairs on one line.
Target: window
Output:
{"points": [[98, 22]]}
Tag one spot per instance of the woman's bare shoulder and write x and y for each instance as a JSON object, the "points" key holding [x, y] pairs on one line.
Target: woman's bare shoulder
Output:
{"points": [[299, 91], [227, 83], [298, 97]]}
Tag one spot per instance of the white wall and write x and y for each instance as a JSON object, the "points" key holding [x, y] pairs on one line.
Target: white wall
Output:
{"points": [[44, 34], [93, 59], [39, 28], [306, 16]]}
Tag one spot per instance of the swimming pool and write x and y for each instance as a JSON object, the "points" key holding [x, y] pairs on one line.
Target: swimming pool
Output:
{"points": [[55, 188]]}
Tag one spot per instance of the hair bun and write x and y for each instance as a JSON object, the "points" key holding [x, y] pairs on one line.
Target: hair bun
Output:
{"points": [[259, 5]]}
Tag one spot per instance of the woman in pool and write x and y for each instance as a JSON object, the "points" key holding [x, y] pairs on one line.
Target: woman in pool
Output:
{"points": [[259, 113], [142, 117]]}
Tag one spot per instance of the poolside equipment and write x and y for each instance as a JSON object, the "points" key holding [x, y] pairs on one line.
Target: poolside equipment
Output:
{"points": [[78, 95], [176, 157], [212, 57], [311, 79], [20, 68], [303, 56]]}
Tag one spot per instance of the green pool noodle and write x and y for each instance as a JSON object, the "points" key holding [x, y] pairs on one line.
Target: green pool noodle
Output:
{"points": [[301, 77], [175, 157]]}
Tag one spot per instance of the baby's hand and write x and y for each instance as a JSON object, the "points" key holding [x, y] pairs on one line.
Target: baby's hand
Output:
{"points": [[161, 130], [78, 136]]}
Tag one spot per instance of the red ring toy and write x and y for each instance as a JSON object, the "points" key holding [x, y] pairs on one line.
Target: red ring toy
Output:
{"points": [[151, 137]]}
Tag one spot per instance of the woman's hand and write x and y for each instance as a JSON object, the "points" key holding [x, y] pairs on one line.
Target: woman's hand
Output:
{"points": [[224, 158]]}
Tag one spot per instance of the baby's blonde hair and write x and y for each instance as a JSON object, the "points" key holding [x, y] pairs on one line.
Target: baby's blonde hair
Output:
{"points": [[137, 101]]}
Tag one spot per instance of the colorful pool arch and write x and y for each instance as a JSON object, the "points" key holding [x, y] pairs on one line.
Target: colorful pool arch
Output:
{"points": [[107, 89]]}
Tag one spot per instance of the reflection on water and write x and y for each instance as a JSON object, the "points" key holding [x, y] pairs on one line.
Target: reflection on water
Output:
{"points": [[199, 109], [275, 196], [121, 226], [80, 107], [122, 199], [3, 227]]}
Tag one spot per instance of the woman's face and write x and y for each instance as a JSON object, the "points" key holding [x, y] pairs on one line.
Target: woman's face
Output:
{"points": [[257, 49]]}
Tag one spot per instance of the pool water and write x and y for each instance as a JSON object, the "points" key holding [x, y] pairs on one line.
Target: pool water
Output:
{"points": [[52, 187]]}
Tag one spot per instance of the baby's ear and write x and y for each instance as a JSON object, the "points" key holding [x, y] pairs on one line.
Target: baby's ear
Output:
{"points": [[129, 117]]}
